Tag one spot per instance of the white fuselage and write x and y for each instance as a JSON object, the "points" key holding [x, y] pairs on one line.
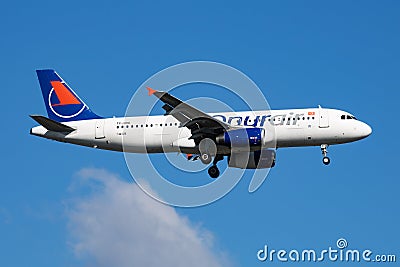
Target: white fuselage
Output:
{"points": [[161, 134]]}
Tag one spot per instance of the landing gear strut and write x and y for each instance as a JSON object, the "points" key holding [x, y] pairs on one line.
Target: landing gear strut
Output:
{"points": [[213, 171], [324, 150]]}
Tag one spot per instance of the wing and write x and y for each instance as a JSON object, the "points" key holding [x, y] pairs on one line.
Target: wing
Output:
{"points": [[200, 124]]}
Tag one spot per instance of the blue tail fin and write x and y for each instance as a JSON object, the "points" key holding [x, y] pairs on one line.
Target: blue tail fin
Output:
{"points": [[61, 102]]}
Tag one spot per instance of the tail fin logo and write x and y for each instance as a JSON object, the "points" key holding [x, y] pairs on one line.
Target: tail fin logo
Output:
{"points": [[63, 102]]}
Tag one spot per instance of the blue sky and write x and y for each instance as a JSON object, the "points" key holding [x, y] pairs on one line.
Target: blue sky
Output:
{"points": [[338, 54]]}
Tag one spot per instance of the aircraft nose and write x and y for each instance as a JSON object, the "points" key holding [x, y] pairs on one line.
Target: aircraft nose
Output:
{"points": [[366, 130]]}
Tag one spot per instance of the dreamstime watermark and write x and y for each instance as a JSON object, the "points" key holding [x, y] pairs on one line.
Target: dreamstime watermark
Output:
{"points": [[149, 175], [340, 253]]}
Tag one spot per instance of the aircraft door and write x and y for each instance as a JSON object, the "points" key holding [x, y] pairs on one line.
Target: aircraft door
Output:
{"points": [[323, 118], [100, 129]]}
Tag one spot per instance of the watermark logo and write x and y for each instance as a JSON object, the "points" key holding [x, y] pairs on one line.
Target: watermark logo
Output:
{"points": [[340, 253], [173, 135], [341, 243]]}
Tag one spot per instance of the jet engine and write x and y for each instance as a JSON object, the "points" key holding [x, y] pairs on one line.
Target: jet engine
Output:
{"points": [[259, 159], [242, 138]]}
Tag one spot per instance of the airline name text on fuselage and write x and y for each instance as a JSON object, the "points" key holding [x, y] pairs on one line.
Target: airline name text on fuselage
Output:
{"points": [[260, 120]]}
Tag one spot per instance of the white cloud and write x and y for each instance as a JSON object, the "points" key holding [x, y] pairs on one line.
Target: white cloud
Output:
{"points": [[5, 216], [116, 224]]}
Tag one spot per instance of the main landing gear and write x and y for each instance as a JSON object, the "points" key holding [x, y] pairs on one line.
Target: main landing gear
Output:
{"points": [[213, 171], [205, 158], [324, 151], [208, 149]]}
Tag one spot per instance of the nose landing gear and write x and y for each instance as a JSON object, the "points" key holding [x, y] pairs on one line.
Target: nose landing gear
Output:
{"points": [[324, 149]]}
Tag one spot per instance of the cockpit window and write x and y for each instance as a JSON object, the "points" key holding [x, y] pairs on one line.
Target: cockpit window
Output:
{"points": [[348, 117]]}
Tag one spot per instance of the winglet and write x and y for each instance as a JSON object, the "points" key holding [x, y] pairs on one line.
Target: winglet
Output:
{"points": [[151, 91]]}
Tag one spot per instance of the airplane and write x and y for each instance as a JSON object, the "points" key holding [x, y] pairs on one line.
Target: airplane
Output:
{"points": [[242, 137]]}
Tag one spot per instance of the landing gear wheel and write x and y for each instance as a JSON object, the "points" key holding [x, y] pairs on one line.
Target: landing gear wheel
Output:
{"points": [[324, 150], [213, 171], [205, 158]]}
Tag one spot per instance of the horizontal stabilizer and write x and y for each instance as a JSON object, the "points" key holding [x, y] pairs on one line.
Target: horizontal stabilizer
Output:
{"points": [[52, 125]]}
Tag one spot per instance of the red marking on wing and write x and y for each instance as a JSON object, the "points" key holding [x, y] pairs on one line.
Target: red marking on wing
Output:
{"points": [[64, 95], [151, 91]]}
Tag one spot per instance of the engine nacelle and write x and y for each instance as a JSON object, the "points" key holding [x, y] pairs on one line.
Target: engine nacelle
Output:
{"points": [[244, 137], [259, 159]]}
